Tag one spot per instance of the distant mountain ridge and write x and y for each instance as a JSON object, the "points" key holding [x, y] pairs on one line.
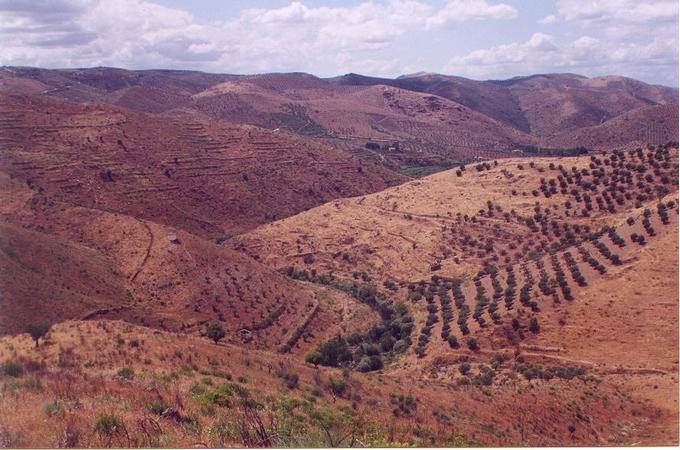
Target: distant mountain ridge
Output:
{"points": [[430, 113]]}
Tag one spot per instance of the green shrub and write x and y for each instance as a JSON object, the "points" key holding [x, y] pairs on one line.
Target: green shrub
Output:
{"points": [[53, 408], [33, 383], [405, 405], [400, 346], [290, 379], [221, 374], [191, 424], [337, 385], [222, 432], [107, 426], [317, 391], [414, 296], [157, 406], [126, 372], [387, 342], [498, 359], [215, 331], [534, 327], [369, 363], [484, 379], [186, 370], [12, 369]]}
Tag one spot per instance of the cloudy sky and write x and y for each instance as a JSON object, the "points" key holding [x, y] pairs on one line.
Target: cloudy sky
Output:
{"points": [[481, 39]]}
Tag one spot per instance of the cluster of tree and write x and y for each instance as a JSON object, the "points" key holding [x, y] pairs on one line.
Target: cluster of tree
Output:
{"points": [[614, 236], [463, 314], [509, 292], [525, 291], [613, 257], [647, 224], [594, 263], [482, 301], [663, 213], [560, 277], [640, 239], [269, 320], [363, 292], [525, 297], [544, 151], [544, 283], [292, 340], [457, 290], [365, 352], [423, 339], [575, 271], [531, 371], [447, 311]]}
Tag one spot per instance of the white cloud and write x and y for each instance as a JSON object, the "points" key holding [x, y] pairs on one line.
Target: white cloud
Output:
{"points": [[622, 19], [633, 11], [138, 33], [547, 20], [588, 55], [462, 10], [530, 54]]}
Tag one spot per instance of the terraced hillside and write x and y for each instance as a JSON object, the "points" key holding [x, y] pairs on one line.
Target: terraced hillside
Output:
{"points": [[519, 255], [65, 262], [193, 259], [208, 178]]}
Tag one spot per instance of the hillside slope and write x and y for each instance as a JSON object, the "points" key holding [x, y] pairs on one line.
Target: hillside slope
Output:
{"points": [[207, 178], [483, 228]]}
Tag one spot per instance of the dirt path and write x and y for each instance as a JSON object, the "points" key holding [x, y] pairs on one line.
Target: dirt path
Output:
{"points": [[146, 255]]}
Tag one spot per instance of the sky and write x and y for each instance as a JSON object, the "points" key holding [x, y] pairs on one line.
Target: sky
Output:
{"points": [[479, 39]]}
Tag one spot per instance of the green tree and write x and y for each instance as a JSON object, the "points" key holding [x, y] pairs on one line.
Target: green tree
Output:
{"points": [[38, 330], [333, 352], [215, 331], [337, 386]]}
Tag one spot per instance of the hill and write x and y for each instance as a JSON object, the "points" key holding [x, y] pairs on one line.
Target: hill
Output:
{"points": [[432, 117], [65, 262], [110, 383], [504, 300], [515, 257], [635, 127], [208, 178]]}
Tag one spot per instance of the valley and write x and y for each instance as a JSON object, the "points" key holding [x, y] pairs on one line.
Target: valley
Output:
{"points": [[285, 260]]}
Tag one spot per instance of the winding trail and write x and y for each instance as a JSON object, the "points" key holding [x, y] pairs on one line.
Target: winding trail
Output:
{"points": [[146, 254]]}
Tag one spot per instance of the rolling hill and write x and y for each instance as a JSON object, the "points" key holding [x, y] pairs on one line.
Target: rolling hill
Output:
{"points": [[427, 114], [515, 297]]}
